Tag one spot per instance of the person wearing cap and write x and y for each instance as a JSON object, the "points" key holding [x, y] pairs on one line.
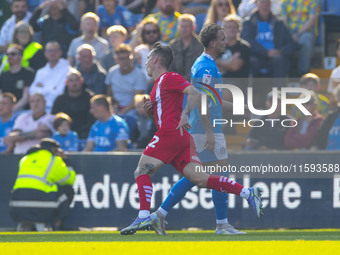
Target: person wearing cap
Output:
{"points": [[43, 189]]}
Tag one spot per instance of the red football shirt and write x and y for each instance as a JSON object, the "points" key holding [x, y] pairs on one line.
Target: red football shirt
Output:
{"points": [[167, 96]]}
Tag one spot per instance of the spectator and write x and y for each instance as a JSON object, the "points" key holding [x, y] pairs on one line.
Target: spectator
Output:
{"points": [[75, 102], [218, 10], [43, 179], [92, 72], [111, 13], [125, 80], [18, 78], [186, 48], [270, 136], [109, 132], [7, 102], [271, 43], [328, 137], [5, 11], [149, 33], [302, 136], [246, 7], [145, 128], [20, 12], [57, 25], [50, 80], [117, 34], [167, 19], [301, 17], [31, 126], [67, 138], [33, 55], [311, 82], [334, 80], [234, 63], [89, 28]]}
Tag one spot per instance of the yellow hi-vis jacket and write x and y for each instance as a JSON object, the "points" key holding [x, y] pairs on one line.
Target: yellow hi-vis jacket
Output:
{"points": [[43, 171], [28, 53]]}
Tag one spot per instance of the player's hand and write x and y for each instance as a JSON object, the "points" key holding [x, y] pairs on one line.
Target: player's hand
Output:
{"points": [[148, 105], [183, 123], [210, 141]]}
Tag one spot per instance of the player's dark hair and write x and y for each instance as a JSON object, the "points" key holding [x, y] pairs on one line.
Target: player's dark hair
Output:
{"points": [[60, 118], [164, 52], [102, 100], [209, 34], [10, 96]]}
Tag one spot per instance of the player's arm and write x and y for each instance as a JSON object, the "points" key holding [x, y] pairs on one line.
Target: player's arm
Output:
{"points": [[192, 101]]}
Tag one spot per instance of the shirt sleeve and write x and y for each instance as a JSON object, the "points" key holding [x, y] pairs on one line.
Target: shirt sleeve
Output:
{"points": [[122, 130], [284, 7], [91, 135], [140, 81], [18, 123], [176, 82], [62, 174], [71, 51], [315, 7]]}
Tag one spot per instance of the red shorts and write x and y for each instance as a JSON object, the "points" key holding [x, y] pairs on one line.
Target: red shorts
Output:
{"points": [[173, 149]]}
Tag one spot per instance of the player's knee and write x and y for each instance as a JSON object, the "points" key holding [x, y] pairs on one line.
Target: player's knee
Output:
{"points": [[138, 172]]}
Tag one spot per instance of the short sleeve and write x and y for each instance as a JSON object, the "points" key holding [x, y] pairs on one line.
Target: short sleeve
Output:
{"points": [[175, 81], [141, 83], [91, 135], [284, 7], [122, 130], [19, 122], [315, 7], [71, 51]]}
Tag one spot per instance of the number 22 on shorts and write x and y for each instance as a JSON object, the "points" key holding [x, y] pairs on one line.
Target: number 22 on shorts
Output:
{"points": [[152, 144]]}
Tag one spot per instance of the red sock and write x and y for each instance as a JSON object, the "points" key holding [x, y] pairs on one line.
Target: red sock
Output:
{"points": [[224, 184], [144, 191]]}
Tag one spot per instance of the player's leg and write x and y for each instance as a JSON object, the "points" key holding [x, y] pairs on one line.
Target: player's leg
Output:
{"points": [[220, 200], [224, 184], [146, 167], [176, 194]]}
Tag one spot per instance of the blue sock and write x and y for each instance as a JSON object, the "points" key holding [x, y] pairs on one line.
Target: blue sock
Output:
{"points": [[220, 200], [176, 193]]}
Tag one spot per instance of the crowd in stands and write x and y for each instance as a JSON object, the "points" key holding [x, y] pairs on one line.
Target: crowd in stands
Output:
{"points": [[75, 70]]}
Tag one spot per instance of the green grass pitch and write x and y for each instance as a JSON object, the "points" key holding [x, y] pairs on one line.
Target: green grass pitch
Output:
{"points": [[252, 235]]}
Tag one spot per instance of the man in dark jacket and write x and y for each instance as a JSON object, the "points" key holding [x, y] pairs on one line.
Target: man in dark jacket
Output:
{"points": [[270, 40], [76, 103], [186, 48], [58, 25]]}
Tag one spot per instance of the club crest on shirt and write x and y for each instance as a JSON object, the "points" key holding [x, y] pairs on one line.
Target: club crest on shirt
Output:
{"points": [[207, 78], [107, 131]]}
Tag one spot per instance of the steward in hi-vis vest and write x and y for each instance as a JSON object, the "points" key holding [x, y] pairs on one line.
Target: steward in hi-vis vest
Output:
{"points": [[43, 189]]}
